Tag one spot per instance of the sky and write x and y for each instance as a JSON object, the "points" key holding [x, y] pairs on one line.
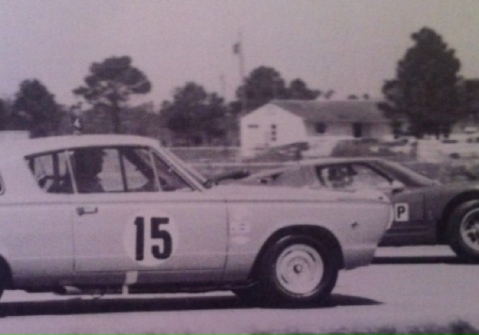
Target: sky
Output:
{"points": [[349, 46]]}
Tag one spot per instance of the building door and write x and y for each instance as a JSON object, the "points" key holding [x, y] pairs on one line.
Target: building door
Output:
{"points": [[357, 129]]}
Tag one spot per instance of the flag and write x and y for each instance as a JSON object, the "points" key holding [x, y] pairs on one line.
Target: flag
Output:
{"points": [[237, 48]]}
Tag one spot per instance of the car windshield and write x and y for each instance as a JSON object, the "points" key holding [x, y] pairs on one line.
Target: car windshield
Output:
{"points": [[406, 175]]}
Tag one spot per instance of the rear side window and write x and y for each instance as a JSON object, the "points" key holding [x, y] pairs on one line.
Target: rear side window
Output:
{"points": [[51, 172]]}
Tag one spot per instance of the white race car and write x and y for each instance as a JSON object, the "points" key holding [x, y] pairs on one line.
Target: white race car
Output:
{"points": [[120, 214]]}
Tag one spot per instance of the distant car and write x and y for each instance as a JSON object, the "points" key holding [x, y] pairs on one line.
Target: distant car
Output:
{"points": [[121, 214], [425, 211]]}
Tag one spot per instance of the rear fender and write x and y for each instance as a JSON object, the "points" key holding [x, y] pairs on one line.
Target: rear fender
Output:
{"points": [[446, 213]]}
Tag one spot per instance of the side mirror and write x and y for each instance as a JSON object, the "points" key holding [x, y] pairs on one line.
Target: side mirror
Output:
{"points": [[239, 174], [397, 186], [391, 187]]}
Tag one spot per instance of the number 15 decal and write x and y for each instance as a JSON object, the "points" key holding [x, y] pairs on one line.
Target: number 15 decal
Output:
{"points": [[156, 234], [150, 239]]}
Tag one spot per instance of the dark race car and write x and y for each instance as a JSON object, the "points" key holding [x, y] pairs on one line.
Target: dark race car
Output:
{"points": [[426, 211]]}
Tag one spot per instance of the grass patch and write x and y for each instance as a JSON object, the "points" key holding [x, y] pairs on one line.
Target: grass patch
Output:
{"points": [[457, 327]]}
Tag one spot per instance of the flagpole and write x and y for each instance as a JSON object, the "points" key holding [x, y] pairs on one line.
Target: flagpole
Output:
{"points": [[238, 50]]}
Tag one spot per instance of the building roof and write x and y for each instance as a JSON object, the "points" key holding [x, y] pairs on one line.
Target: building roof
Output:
{"points": [[364, 111]]}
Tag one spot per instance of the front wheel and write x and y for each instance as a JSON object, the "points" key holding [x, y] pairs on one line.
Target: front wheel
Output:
{"points": [[298, 270], [463, 230]]}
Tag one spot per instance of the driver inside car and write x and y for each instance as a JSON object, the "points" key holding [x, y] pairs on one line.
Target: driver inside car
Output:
{"points": [[88, 163]]}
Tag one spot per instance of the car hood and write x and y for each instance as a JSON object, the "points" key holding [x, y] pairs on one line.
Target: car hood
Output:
{"points": [[459, 185], [452, 188], [267, 193]]}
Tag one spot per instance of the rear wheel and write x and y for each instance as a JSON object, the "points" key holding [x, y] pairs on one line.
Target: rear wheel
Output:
{"points": [[463, 230], [298, 270]]}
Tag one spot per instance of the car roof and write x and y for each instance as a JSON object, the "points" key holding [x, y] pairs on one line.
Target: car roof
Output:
{"points": [[324, 161], [338, 160], [308, 162], [30, 146], [413, 177]]}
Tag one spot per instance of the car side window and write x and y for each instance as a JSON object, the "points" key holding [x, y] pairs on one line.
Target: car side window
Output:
{"points": [[113, 169], [335, 176], [365, 177], [91, 174], [293, 177], [140, 174], [50, 171], [350, 177], [104, 169]]}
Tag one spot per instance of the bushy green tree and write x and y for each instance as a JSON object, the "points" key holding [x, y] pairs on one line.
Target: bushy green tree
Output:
{"points": [[425, 92], [34, 109], [265, 84], [110, 84], [298, 90], [261, 86], [3, 115], [195, 116]]}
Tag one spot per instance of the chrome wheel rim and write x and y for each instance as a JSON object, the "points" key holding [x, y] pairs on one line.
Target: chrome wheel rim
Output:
{"points": [[299, 269], [469, 230]]}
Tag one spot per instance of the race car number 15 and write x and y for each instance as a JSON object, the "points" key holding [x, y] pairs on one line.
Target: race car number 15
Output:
{"points": [[162, 237], [150, 239]]}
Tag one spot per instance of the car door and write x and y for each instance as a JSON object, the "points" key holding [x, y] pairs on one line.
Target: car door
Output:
{"points": [[144, 217], [36, 223], [409, 225], [408, 203]]}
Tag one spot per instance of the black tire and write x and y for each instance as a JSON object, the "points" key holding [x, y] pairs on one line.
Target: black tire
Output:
{"points": [[297, 270], [249, 295], [2, 283], [463, 231]]}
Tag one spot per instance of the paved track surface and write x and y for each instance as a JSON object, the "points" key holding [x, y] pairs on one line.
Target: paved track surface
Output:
{"points": [[404, 288]]}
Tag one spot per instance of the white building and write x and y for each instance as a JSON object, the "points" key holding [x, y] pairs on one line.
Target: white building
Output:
{"points": [[282, 122], [9, 135]]}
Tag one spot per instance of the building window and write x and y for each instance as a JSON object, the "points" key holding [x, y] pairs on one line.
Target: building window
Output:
{"points": [[273, 133], [253, 126], [320, 128]]}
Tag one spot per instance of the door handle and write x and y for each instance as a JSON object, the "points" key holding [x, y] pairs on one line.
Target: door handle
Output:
{"points": [[87, 210]]}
